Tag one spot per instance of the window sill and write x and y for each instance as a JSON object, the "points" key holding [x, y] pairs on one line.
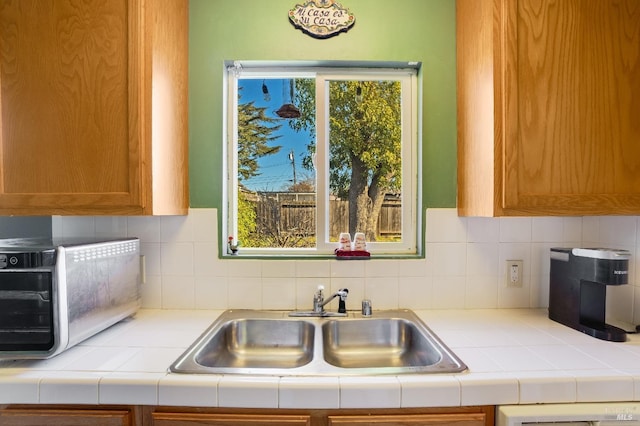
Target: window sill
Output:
{"points": [[277, 257]]}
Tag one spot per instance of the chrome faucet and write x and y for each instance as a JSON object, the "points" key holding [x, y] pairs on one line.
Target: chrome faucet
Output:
{"points": [[319, 303]]}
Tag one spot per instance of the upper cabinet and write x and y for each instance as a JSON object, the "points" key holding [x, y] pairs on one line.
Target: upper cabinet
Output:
{"points": [[548, 107], [93, 101]]}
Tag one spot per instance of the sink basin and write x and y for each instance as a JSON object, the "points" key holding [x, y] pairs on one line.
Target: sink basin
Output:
{"points": [[256, 342], [259, 343], [375, 343]]}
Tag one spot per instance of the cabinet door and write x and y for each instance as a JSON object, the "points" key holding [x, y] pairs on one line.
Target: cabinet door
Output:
{"points": [[571, 103], [211, 419], [470, 419], [70, 135], [65, 417], [548, 106]]}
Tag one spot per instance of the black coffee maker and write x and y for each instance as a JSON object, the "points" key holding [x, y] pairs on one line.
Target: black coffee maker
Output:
{"points": [[578, 288]]}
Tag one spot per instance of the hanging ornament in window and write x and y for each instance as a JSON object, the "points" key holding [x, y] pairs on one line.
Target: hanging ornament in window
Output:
{"points": [[321, 18], [288, 110], [265, 92]]}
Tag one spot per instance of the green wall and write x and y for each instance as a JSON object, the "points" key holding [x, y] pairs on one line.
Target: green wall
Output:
{"points": [[385, 30]]}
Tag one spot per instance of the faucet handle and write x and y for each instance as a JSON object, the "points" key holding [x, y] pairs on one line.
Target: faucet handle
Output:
{"points": [[342, 308]]}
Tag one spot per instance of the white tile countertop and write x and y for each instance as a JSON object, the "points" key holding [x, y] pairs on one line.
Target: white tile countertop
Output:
{"points": [[515, 356]]}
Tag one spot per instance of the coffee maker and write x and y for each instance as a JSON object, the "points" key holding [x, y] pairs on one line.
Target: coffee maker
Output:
{"points": [[578, 288]]}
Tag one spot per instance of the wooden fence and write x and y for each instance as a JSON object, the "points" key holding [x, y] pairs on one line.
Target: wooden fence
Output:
{"points": [[295, 213]]}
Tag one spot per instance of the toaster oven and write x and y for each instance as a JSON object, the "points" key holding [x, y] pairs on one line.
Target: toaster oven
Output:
{"points": [[56, 293]]}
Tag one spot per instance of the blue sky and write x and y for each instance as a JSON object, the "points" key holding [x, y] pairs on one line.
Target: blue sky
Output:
{"points": [[276, 170]]}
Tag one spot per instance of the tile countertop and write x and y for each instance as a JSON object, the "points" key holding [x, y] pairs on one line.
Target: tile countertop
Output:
{"points": [[515, 356]]}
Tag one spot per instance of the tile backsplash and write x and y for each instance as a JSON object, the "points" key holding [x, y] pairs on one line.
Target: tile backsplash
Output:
{"points": [[464, 266]]}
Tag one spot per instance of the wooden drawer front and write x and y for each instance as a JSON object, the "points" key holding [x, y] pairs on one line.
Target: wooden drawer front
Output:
{"points": [[190, 419], [472, 419], [64, 417]]}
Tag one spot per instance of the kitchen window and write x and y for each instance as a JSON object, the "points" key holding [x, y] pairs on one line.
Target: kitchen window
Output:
{"points": [[316, 151]]}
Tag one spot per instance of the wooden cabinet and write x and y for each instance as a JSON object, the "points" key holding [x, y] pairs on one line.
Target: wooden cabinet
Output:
{"points": [[93, 102], [212, 419], [548, 107], [409, 420], [36, 416], [459, 416]]}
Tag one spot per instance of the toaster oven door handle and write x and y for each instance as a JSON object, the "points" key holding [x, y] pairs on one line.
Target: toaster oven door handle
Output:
{"points": [[42, 296]]}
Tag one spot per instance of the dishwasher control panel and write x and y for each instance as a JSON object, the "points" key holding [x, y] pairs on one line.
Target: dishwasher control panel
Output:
{"points": [[587, 414]]}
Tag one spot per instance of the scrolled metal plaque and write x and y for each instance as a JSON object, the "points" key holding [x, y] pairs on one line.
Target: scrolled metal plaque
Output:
{"points": [[321, 18]]}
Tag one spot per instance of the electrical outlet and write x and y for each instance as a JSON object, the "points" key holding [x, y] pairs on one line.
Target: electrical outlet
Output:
{"points": [[513, 273]]}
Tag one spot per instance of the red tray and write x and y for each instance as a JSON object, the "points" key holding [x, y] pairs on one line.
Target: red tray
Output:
{"points": [[352, 254]]}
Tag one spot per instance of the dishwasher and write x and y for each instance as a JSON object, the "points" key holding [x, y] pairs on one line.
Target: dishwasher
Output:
{"points": [[593, 414]]}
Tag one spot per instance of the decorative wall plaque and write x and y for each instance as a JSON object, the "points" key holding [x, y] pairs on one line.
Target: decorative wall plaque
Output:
{"points": [[321, 18]]}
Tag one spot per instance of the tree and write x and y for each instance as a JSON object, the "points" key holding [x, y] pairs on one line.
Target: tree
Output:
{"points": [[246, 218], [364, 144], [306, 185], [254, 135]]}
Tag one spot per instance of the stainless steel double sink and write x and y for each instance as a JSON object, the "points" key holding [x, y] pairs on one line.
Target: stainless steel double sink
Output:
{"points": [[255, 342]]}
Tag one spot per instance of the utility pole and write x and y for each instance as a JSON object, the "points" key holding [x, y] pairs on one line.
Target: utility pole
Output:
{"points": [[292, 158]]}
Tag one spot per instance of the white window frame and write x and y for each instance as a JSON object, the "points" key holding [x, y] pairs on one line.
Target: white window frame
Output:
{"points": [[411, 182]]}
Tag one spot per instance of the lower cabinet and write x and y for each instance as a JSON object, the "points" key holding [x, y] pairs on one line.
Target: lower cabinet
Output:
{"points": [[36, 415], [458, 416], [478, 419], [212, 419], [51, 416]]}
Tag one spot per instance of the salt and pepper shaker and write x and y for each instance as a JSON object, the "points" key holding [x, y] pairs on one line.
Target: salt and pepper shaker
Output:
{"points": [[367, 311]]}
